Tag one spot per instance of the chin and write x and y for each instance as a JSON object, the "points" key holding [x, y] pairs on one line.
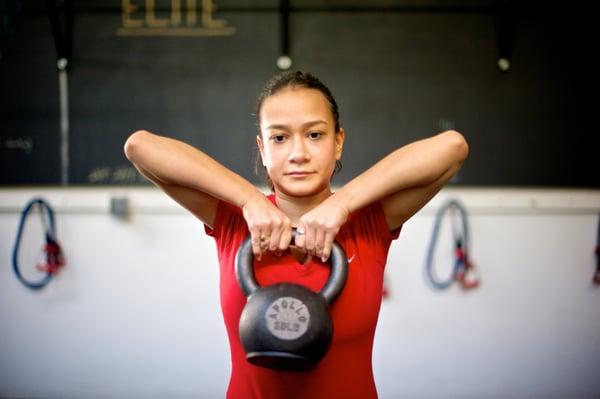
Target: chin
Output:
{"points": [[300, 190]]}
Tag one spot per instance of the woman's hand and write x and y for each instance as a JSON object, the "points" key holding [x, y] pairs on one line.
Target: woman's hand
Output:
{"points": [[270, 228], [318, 227]]}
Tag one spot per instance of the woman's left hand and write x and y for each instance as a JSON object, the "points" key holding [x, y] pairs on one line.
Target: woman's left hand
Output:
{"points": [[317, 229]]}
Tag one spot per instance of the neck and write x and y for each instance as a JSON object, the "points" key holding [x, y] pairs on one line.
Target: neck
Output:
{"points": [[295, 207]]}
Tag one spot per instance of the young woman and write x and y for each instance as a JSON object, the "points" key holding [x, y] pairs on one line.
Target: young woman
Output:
{"points": [[300, 143]]}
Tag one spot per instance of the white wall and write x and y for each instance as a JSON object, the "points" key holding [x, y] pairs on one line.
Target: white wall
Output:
{"points": [[135, 313]]}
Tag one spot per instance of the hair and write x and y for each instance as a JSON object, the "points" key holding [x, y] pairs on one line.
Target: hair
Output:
{"points": [[294, 79]]}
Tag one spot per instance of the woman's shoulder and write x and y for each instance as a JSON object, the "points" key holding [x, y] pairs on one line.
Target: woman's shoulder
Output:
{"points": [[228, 218]]}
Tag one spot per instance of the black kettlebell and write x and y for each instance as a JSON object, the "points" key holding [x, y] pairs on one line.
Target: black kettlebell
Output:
{"points": [[286, 326]]}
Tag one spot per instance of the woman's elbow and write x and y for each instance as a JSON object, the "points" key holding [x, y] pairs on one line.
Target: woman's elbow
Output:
{"points": [[458, 144], [133, 142]]}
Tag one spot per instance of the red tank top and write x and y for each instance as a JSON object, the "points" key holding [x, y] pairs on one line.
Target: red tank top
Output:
{"points": [[346, 370]]}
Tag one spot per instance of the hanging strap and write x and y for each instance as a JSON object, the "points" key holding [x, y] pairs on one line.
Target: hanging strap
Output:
{"points": [[463, 270], [54, 259]]}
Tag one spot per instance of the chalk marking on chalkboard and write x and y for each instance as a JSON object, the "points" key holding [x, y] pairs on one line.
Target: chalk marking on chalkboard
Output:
{"points": [[24, 144], [119, 175], [99, 175], [124, 174]]}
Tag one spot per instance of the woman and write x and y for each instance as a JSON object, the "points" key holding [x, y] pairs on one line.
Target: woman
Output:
{"points": [[300, 143]]}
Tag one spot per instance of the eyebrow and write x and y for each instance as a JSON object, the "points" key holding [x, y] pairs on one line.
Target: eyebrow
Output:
{"points": [[304, 125]]}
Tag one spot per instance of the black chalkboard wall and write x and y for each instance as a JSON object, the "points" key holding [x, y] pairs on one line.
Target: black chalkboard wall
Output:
{"points": [[400, 71]]}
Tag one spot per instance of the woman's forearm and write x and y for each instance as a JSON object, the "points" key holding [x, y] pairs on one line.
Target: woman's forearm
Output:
{"points": [[169, 161], [416, 164]]}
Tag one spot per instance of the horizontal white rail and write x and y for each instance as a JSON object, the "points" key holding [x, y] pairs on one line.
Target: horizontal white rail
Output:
{"points": [[150, 200]]}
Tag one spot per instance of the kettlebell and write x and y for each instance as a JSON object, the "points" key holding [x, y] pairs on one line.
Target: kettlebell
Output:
{"points": [[286, 326]]}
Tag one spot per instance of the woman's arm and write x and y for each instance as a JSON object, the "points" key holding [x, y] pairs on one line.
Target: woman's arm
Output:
{"points": [[404, 181], [197, 182], [409, 177]]}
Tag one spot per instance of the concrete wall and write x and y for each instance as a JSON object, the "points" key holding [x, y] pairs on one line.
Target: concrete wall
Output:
{"points": [[135, 312]]}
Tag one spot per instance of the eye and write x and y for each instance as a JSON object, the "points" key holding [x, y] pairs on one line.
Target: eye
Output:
{"points": [[278, 138], [315, 135]]}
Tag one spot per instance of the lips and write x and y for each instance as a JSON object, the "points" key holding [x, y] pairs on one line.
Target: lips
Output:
{"points": [[298, 173]]}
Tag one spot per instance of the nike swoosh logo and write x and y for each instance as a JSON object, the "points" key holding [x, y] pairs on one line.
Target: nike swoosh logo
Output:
{"points": [[351, 259]]}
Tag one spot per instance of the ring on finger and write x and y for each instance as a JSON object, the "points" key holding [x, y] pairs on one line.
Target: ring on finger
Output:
{"points": [[300, 231]]}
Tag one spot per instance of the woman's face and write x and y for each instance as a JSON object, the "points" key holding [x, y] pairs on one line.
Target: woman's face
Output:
{"points": [[298, 143]]}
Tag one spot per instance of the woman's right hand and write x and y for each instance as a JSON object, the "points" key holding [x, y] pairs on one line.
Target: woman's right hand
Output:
{"points": [[270, 228]]}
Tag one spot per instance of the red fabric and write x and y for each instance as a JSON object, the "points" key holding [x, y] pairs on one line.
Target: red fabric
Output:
{"points": [[346, 370]]}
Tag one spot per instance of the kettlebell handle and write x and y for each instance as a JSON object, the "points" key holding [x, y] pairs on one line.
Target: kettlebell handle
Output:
{"points": [[247, 281]]}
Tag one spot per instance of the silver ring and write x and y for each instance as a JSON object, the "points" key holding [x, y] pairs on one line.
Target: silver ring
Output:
{"points": [[299, 232]]}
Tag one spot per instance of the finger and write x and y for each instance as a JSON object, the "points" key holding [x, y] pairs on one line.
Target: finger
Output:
{"points": [[264, 240], [319, 242], [274, 239], [285, 239], [256, 249], [309, 240], [300, 237], [280, 235], [328, 244]]}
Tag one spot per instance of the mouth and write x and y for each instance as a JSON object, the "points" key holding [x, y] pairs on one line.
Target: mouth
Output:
{"points": [[298, 174]]}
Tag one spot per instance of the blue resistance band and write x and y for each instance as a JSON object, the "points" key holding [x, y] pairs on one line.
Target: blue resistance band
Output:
{"points": [[461, 243], [52, 249]]}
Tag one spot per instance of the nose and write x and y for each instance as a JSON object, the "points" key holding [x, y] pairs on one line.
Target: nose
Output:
{"points": [[299, 152]]}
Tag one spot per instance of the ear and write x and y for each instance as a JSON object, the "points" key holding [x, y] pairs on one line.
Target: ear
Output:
{"points": [[261, 148], [340, 136]]}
